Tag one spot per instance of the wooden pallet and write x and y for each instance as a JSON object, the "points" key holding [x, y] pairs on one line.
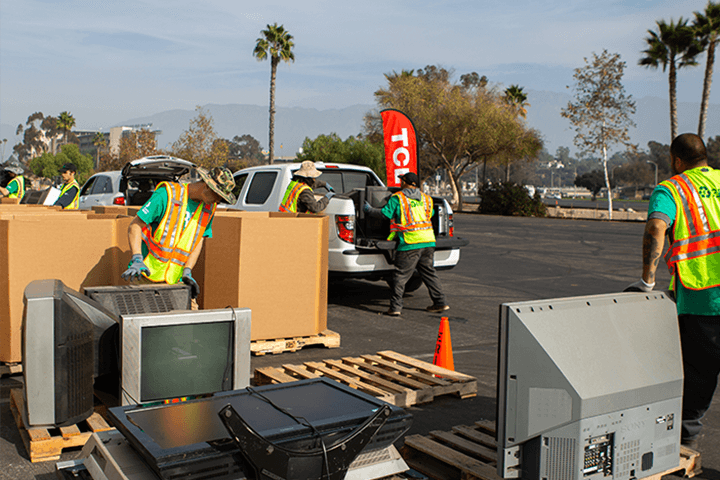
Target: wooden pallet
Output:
{"points": [[7, 369], [470, 453], [390, 376], [326, 338], [44, 444]]}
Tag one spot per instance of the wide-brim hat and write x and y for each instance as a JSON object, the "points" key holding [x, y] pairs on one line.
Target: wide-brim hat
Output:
{"points": [[220, 181], [308, 170], [14, 167]]}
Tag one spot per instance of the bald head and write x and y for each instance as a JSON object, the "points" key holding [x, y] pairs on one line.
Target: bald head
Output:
{"points": [[689, 149]]}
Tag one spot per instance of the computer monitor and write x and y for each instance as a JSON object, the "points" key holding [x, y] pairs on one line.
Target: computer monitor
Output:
{"points": [[183, 354], [589, 387], [66, 343]]}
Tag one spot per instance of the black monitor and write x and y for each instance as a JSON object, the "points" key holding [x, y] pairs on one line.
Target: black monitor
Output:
{"points": [[67, 341]]}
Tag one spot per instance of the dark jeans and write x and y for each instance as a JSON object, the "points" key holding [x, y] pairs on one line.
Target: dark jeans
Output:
{"points": [[700, 337], [406, 262]]}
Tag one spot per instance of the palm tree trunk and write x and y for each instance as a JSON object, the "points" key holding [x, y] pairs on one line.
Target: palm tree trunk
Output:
{"points": [[707, 83], [271, 141], [672, 80]]}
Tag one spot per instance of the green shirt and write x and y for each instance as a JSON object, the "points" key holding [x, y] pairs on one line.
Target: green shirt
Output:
{"points": [[692, 302], [393, 210], [152, 213], [13, 186]]}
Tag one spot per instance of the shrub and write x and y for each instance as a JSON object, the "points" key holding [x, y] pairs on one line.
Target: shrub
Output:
{"points": [[510, 199]]}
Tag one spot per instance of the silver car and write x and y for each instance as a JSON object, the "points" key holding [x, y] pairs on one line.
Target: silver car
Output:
{"points": [[134, 184]]}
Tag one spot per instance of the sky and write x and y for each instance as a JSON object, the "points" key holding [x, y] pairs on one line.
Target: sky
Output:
{"points": [[106, 62]]}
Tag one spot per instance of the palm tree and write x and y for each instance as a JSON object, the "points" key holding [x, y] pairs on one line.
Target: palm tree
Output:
{"points": [[65, 122], [99, 142], [707, 29], [515, 97], [276, 43], [673, 45]]}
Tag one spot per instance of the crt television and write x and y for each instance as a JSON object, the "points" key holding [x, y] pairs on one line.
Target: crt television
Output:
{"points": [[589, 387], [183, 354], [67, 342]]}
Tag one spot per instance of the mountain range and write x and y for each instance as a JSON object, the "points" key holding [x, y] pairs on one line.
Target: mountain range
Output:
{"points": [[293, 125]]}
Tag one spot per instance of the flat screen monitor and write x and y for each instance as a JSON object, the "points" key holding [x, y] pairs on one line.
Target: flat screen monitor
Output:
{"points": [[183, 354], [67, 341], [589, 387], [188, 440]]}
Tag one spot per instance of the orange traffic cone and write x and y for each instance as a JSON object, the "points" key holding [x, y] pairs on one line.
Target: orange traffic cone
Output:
{"points": [[443, 348]]}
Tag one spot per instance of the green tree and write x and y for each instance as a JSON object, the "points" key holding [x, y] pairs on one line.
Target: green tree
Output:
{"points": [[39, 136], [47, 164], [601, 111], [673, 46], [277, 44], [457, 124], [198, 144], [593, 181], [65, 122], [245, 149], [355, 150], [515, 97], [707, 29]]}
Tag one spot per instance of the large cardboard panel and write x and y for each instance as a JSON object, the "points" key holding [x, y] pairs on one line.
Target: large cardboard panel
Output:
{"points": [[275, 264], [78, 250]]}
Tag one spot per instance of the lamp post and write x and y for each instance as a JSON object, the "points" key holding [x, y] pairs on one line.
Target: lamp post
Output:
{"points": [[650, 161]]}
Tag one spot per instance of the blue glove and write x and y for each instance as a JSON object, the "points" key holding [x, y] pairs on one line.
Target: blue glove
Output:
{"points": [[188, 280], [329, 187], [367, 207], [329, 195], [135, 269]]}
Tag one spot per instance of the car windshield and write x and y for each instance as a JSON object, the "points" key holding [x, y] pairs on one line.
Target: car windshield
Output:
{"points": [[346, 181]]}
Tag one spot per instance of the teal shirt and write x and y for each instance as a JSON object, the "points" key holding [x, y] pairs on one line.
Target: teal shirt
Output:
{"points": [[392, 210], [692, 302], [13, 186], [152, 213]]}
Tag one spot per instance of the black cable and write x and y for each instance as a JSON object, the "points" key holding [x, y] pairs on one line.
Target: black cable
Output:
{"points": [[297, 419]]}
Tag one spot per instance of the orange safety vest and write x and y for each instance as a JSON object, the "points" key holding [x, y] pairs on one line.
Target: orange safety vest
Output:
{"points": [[169, 248], [289, 203], [415, 223]]}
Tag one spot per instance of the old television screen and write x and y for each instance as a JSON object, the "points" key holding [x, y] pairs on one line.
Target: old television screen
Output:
{"points": [[184, 354], [589, 387]]}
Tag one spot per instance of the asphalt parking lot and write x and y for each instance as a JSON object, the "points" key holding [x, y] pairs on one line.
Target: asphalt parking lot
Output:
{"points": [[508, 259]]}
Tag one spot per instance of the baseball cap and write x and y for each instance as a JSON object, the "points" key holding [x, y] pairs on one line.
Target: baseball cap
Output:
{"points": [[68, 167], [411, 179]]}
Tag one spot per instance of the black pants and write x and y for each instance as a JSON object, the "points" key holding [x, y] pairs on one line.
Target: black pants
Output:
{"points": [[700, 337], [406, 262]]}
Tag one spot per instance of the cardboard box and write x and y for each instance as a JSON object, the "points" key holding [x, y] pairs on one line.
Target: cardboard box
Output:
{"points": [[276, 264], [9, 201], [79, 248]]}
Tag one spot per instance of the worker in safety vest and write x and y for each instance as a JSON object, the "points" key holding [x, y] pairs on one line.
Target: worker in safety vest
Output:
{"points": [[299, 194], [687, 208], [167, 234], [16, 186], [410, 211], [69, 198]]}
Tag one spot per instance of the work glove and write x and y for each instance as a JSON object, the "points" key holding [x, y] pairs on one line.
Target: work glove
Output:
{"points": [[367, 207], [329, 195], [188, 280], [640, 286], [329, 187], [135, 269]]}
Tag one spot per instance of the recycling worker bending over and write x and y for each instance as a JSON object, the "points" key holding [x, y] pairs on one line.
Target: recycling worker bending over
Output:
{"points": [[410, 211], [299, 194], [167, 235], [16, 186]]}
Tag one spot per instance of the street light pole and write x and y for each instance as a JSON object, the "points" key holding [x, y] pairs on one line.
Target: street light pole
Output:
{"points": [[650, 161]]}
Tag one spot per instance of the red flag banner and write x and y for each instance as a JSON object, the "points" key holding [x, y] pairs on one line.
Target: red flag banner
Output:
{"points": [[400, 146]]}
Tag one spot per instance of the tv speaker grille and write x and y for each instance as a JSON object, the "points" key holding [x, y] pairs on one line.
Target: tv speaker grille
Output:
{"points": [[134, 300], [80, 374], [561, 458]]}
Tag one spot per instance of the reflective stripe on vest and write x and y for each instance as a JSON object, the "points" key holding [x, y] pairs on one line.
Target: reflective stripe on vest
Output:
{"points": [[20, 180], [289, 203], [693, 254], [415, 223], [76, 201], [169, 248]]}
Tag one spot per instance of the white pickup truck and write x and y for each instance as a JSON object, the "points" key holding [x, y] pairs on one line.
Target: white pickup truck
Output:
{"points": [[358, 245]]}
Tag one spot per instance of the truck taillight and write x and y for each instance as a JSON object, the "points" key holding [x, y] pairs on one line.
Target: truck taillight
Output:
{"points": [[119, 200], [345, 227], [451, 229]]}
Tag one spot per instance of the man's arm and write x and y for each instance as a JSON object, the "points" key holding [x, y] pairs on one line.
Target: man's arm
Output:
{"points": [[135, 235], [67, 198], [195, 254], [653, 243], [307, 198], [4, 191]]}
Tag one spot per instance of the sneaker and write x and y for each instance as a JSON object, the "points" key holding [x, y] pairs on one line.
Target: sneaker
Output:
{"points": [[392, 313], [437, 308]]}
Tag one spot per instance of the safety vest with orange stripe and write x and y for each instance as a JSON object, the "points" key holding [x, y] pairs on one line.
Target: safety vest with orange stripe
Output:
{"points": [[172, 243], [415, 224], [694, 251], [289, 203]]}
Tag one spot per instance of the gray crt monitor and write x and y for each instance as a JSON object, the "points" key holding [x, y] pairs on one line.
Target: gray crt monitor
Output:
{"points": [[589, 387]]}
